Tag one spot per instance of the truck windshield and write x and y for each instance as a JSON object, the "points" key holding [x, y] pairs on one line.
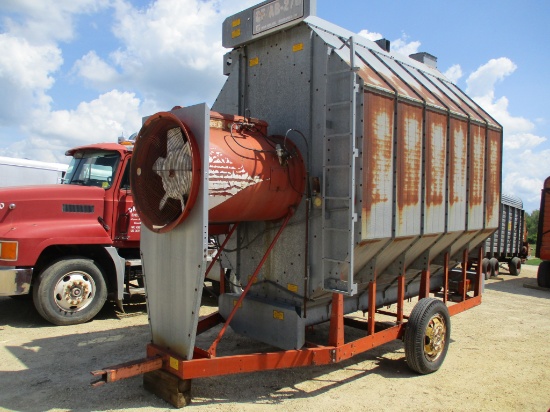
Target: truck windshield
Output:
{"points": [[92, 169]]}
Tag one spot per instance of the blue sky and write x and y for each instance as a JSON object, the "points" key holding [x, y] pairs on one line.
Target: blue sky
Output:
{"points": [[82, 71]]}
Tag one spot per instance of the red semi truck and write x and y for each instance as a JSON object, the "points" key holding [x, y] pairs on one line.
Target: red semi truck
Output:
{"points": [[72, 245]]}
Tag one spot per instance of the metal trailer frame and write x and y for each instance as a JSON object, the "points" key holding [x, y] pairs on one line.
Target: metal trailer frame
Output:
{"points": [[205, 363]]}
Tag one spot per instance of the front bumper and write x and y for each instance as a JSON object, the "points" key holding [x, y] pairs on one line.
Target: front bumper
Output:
{"points": [[15, 281]]}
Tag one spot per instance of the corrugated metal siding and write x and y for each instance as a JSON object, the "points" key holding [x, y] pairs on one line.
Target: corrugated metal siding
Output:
{"points": [[409, 170], [436, 173], [457, 174], [492, 182], [477, 177], [378, 167]]}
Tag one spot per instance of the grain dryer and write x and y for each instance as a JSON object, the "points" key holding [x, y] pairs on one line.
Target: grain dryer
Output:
{"points": [[369, 177]]}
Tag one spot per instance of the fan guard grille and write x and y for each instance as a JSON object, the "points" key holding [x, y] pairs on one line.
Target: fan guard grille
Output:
{"points": [[165, 172]]}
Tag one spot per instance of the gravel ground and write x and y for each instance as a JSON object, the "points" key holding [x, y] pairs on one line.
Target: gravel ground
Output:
{"points": [[498, 360]]}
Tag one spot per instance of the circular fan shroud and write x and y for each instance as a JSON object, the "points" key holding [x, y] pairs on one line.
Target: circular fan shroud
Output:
{"points": [[147, 184]]}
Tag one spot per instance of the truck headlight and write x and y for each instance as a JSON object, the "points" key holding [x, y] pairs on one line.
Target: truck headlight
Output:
{"points": [[8, 250]]}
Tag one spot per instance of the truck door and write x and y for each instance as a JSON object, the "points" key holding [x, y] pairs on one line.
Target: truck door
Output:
{"points": [[127, 225]]}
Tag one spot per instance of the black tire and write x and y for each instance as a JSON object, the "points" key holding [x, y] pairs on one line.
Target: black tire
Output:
{"points": [[485, 268], [494, 266], [427, 336], [543, 274], [70, 291], [514, 266]]}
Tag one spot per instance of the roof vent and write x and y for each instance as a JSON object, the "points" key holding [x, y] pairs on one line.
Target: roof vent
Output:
{"points": [[384, 44], [426, 58]]}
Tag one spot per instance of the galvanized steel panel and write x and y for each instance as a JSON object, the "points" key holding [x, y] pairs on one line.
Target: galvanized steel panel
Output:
{"points": [[478, 109], [445, 87], [493, 180], [409, 170], [174, 263], [436, 172], [476, 178], [378, 167], [458, 155]]}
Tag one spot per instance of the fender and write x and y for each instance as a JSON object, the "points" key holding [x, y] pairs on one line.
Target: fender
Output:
{"points": [[34, 237]]}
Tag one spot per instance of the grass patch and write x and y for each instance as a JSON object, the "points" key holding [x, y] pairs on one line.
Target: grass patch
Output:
{"points": [[533, 262]]}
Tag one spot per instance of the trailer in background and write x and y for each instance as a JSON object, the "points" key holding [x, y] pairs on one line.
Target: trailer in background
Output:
{"points": [[508, 245], [24, 172], [543, 237]]}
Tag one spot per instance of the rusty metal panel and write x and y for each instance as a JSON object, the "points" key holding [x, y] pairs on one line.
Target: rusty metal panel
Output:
{"points": [[396, 83], [445, 87], [436, 175], [458, 145], [371, 78], [377, 167], [421, 91], [439, 94], [409, 170], [479, 110], [494, 172], [477, 177]]}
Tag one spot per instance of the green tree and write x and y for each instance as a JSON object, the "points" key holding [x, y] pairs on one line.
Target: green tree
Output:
{"points": [[532, 223]]}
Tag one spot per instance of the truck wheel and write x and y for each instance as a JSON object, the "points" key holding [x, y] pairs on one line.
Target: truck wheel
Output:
{"points": [[514, 266], [543, 274], [70, 291], [494, 266], [485, 268], [427, 335]]}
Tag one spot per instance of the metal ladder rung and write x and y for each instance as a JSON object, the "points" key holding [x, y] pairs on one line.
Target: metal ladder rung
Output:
{"points": [[341, 103], [336, 260], [339, 72], [336, 229], [337, 198], [346, 166], [337, 135]]}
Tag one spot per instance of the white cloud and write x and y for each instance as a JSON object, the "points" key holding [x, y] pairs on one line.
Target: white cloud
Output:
{"points": [[524, 168], [404, 46], [100, 120], [44, 21], [94, 69], [454, 73], [25, 76], [370, 35]]}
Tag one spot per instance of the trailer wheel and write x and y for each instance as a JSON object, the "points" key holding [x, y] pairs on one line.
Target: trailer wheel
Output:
{"points": [[543, 274], [427, 336], [494, 266], [514, 266], [70, 291], [485, 268]]}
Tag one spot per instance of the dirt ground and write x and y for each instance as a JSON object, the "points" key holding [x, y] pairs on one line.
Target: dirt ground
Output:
{"points": [[498, 360]]}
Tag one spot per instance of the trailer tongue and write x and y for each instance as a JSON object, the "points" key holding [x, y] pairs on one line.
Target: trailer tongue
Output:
{"points": [[369, 179]]}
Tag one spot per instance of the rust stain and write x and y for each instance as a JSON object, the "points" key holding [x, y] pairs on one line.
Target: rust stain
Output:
{"points": [[436, 148], [377, 152], [477, 166], [493, 178], [409, 153], [370, 77], [457, 157]]}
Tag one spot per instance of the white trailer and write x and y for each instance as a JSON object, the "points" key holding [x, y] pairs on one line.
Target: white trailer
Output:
{"points": [[24, 172]]}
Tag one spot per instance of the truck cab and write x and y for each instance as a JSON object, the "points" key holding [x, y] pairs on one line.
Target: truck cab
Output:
{"points": [[74, 244]]}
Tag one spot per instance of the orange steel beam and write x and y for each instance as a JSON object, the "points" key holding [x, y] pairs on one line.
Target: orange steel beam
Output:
{"points": [[464, 267], [400, 297], [372, 306], [424, 291], [465, 305], [127, 370], [336, 332], [479, 280], [213, 347], [220, 250], [445, 277]]}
